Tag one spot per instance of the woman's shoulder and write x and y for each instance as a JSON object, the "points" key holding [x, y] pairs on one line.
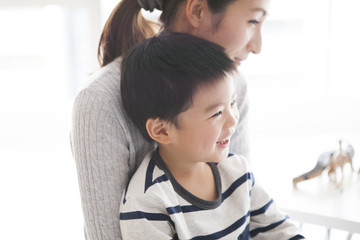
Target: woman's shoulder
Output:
{"points": [[104, 82], [100, 99], [101, 91]]}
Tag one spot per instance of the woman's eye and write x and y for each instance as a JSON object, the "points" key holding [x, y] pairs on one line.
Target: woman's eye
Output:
{"points": [[233, 103], [254, 21], [217, 114]]}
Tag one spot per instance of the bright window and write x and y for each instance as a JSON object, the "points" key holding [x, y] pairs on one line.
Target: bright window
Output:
{"points": [[44, 57], [304, 87]]}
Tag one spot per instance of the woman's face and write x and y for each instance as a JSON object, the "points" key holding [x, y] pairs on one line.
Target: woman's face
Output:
{"points": [[239, 31]]}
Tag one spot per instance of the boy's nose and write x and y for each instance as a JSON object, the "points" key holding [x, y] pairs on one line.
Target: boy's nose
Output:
{"points": [[232, 119]]}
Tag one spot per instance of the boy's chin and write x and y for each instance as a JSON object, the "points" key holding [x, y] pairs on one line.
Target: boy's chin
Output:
{"points": [[221, 156]]}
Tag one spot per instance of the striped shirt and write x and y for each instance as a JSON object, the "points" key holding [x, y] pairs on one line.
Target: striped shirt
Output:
{"points": [[156, 206]]}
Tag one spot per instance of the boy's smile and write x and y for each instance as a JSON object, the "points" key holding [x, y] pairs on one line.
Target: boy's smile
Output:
{"points": [[203, 131], [223, 143]]}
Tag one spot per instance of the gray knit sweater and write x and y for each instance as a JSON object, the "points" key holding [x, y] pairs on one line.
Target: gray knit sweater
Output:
{"points": [[108, 148]]}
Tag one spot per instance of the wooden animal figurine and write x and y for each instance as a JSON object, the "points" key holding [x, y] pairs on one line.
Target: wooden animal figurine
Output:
{"points": [[338, 160], [331, 161]]}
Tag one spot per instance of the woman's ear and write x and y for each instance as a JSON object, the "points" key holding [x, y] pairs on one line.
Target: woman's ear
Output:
{"points": [[195, 10], [158, 130]]}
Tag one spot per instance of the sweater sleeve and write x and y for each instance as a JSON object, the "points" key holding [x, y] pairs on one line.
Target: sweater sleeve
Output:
{"points": [[102, 159], [267, 222], [240, 140]]}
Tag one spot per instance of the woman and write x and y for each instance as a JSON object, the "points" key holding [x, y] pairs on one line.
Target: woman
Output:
{"points": [[106, 145]]}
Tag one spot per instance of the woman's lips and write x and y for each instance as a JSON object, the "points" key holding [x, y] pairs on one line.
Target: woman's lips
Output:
{"points": [[237, 61]]}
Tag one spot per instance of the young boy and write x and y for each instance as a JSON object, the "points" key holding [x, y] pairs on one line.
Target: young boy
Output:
{"points": [[180, 92]]}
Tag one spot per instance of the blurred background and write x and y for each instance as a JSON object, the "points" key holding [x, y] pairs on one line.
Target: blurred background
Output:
{"points": [[304, 92]]}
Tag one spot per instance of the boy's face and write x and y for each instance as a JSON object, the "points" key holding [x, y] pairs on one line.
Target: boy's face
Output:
{"points": [[204, 130]]}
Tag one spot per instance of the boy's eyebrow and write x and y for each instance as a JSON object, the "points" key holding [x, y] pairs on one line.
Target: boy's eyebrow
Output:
{"points": [[259, 9], [214, 106], [218, 104]]}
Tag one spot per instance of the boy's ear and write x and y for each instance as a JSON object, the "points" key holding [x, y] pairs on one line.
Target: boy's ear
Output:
{"points": [[158, 130], [195, 10]]}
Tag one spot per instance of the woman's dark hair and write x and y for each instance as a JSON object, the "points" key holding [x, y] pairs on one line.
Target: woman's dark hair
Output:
{"points": [[126, 26], [160, 76]]}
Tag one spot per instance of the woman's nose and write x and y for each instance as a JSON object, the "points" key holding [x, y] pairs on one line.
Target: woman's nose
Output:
{"points": [[255, 43]]}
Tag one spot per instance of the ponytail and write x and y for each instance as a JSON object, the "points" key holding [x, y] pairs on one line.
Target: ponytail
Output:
{"points": [[125, 27]]}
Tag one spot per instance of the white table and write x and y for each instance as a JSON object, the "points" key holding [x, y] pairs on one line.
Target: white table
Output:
{"points": [[319, 202]]}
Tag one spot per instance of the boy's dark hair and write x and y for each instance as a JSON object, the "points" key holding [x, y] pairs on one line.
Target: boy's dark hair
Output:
{"points": [[160, 76]]}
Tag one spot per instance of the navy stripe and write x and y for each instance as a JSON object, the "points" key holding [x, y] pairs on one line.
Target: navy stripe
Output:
{"points": [[145, 215], [230, 154], [191, 208], [297, 237], [253, 183], [245, 234], [149, 176], [256, 231], [236, 184], [261, 210], [183, 209], [126, 189], [226, 231], [162, 178], [173, 210]]}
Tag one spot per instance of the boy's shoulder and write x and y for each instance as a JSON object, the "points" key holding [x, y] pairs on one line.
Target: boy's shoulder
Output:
{"points": [[146, 178], [235, 162], [235, 172], [149, 181]]}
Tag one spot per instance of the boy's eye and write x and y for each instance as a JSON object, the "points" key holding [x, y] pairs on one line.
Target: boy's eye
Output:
{"points": [[217, 114]]}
